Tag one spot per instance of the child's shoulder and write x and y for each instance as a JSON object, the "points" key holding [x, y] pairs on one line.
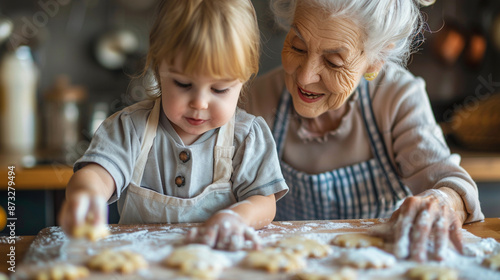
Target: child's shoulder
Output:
{"points": [[134, 112], [246, 123], [139, 107], [132, 117]]}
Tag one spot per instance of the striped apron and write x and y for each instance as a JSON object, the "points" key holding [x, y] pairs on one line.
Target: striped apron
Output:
{"points": [[369, 189]]}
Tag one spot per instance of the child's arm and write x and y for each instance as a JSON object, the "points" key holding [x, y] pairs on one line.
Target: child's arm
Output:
{"points": [[86, 195], [256, 211], [230, 228]]}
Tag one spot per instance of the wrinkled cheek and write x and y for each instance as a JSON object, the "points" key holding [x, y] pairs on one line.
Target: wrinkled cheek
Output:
{"points": [[289, 62], [344, 86]]}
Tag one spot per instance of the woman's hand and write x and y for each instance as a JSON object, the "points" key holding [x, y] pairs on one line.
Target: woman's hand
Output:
{"points": [[420, 218], [82, 210], [225, 230]]}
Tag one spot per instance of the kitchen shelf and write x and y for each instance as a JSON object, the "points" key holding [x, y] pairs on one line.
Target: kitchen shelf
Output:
{"points": [[41, 177]]}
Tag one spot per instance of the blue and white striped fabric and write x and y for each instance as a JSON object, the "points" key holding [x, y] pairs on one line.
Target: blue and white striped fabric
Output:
{"points": [[369, 189]]}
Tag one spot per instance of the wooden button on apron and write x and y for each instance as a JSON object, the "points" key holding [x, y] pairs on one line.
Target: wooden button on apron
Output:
{"points": [[184, 156], [179, 181]]}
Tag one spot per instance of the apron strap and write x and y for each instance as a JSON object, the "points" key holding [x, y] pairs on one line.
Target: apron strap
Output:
{"points": [[147, 142], [223, 152], [281, 120], [377, 142]]}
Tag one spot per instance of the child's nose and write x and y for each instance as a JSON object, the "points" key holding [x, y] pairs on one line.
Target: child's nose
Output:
{"points": [[199, 101]]}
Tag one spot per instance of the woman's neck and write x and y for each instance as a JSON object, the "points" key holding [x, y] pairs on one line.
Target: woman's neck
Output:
{"points": [[326, 122]]}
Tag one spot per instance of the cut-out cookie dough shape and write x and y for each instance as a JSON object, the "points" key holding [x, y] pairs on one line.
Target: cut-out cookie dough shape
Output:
{"points": [[344, 273], [62, 272], [308, 247], [197, 260], [90, 232], [431, 272], [369, 257], [357, 240], [275, 260], [492, 262], [125, 262]]}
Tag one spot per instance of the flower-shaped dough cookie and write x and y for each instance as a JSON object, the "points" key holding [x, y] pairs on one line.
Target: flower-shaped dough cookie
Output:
{"points": [[302, 245], [492, 262], [197, 260], [369, 257], [275, 260], [357, 240], [62, 272], [125, 262], [431, 272], [344, 273], [90, 232]]}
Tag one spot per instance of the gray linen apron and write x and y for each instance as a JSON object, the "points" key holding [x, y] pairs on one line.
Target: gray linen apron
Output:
{"points": [[369, 189], [141, 205]]}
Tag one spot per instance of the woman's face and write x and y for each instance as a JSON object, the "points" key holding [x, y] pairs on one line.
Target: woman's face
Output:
{"points": [[323, 60]]}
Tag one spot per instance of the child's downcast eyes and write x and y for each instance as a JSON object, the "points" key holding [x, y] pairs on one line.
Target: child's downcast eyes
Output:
{"points": [[220, 91], [187, 86], [181, 85]]}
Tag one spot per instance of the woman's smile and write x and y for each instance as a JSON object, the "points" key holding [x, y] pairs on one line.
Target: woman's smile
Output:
{"points": [[309, 96]]}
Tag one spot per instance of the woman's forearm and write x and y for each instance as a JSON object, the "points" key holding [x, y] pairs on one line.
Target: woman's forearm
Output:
{"points": [[456, 203]]}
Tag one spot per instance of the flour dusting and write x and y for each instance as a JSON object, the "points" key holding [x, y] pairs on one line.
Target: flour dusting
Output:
{"points": [[155, 243]]}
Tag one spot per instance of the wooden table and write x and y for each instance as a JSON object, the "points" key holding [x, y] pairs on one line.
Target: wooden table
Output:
{"points": [[490, 227]]}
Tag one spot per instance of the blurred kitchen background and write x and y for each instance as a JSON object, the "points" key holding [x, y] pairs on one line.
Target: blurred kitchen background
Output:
{"points": [[66, 65]]}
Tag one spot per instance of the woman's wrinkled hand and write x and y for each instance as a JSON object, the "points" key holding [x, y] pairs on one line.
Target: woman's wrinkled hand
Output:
{"points": [[225, 230], [83, 210], [422, 218]]}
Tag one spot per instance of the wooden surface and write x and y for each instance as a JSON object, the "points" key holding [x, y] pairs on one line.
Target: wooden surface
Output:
{"points": [[490, 227]]}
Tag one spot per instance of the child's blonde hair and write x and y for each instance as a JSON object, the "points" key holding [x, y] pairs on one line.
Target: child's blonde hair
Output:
{"points": [[219, 38]]}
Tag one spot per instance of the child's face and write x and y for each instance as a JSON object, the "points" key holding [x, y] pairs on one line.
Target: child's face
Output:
{"points": [[196, 104]]}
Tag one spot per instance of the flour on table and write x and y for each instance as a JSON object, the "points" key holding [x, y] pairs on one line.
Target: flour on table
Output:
{"points": [[155, 243]]}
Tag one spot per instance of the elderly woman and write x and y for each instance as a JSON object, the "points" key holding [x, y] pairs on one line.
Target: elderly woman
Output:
{"points": [[355, 131]]}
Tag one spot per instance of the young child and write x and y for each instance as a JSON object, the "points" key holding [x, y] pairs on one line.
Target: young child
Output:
{"points": [[189, 155]]}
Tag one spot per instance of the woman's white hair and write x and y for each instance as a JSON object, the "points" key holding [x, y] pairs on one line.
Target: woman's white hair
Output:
{"points": [[390, 27]]}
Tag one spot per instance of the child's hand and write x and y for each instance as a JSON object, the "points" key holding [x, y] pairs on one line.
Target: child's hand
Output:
{"points": [[225, 230], [82, 210]]}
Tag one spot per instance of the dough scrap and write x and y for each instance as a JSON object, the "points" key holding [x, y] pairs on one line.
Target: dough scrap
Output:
{"points": [[197, 260], [344, 273], [90, 232], [302, 245], [369, 257], [431, 272], [275, 260], [357, 240], [125, 262], [62, 272], [492, 262]]}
